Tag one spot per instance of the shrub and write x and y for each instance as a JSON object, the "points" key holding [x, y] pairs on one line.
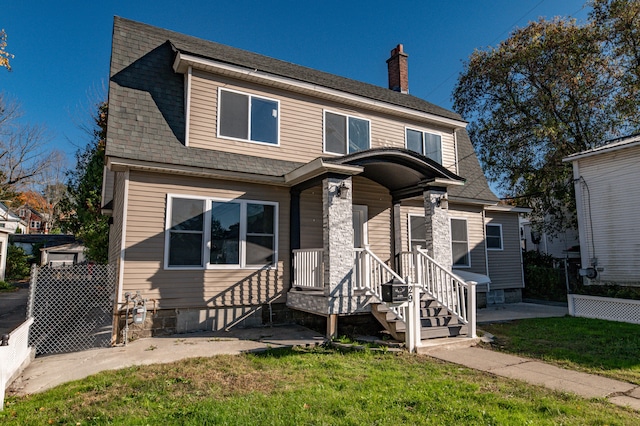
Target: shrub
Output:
{"points": [[17, 263], [544, 278], [5, 286]]}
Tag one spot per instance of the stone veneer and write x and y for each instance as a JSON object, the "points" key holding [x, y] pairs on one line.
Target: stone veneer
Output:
{"points": [[438, 226]]}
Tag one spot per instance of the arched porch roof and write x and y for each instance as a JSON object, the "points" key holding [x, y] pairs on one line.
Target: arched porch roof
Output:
{"points": [[404, 173]]}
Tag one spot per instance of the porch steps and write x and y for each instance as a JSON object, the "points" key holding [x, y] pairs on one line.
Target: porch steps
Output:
{"points": [[436, 321]]}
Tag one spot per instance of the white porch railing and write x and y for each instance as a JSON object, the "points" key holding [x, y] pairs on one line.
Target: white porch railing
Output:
{"points": [[14, 356], [456, 295], [308, 268], [371, 272]]}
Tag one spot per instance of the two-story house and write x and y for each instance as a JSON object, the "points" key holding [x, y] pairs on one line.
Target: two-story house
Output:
{"points": [[244, 189]]}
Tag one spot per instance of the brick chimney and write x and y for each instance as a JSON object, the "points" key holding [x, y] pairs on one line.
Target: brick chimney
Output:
{"points": [[398, 70]]}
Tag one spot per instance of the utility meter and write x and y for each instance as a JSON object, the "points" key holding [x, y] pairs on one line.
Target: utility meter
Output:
{"points": [[139, 314]]}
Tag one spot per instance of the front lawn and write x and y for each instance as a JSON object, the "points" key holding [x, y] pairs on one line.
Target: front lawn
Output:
{"points": [[607, 348], [307, 387]]}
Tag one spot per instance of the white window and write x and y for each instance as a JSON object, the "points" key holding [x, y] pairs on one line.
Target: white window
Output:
{"points": [[425, 143], [213, 233], [417, 232], [494, 236], [344, 134], [248, 117], [460, 243]]}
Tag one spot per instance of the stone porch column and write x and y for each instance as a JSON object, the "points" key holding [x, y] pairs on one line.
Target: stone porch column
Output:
{"points": [[338, 240], [438, 226]]}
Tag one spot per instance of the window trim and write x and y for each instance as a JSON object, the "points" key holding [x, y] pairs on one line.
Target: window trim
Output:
{"points": [[249, 95], [466, 222], [347, 117], [499, 225], [206, 240], [431, 132]]}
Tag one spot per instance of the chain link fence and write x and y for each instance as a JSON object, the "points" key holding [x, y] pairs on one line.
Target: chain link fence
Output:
{"points": [[72, 307]]}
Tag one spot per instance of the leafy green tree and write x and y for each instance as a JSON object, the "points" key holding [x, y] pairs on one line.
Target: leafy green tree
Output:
{"points": [[84, 194], [17, 263], [553, 88]]}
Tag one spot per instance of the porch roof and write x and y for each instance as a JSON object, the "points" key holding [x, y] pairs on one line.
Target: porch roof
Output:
{"points": [[405, 173]]}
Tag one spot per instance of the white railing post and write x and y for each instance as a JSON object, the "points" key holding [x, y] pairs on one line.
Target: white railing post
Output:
{"points": [[413, 324], [367, 268], [471, 308]]}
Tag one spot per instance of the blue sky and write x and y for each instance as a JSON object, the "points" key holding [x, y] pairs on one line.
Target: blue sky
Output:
{"points": [[62, 49]]}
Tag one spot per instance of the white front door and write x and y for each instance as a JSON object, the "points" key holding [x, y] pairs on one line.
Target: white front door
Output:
{"points": [[360, 226]]}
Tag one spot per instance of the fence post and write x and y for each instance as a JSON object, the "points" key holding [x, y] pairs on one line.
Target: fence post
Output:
{"points": [[471, 308]]}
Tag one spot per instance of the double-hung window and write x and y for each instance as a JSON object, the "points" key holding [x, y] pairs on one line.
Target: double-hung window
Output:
{"points": [[344, 134], [494, 236], [425, 143], [248, 117], [460, 243], [213, 233]]}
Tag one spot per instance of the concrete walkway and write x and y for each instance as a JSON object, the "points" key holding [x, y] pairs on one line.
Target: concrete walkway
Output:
{"points": [[49, 371], [542, 374]]}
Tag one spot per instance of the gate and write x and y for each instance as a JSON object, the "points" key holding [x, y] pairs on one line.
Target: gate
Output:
{"points": [[72, 307]]}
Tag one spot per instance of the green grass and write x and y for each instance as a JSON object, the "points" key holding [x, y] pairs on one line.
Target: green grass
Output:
{"points": [[6, 287], [607, 348], [307, 387]]}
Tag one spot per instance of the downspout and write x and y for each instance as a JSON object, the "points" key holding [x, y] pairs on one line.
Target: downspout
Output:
{"points": [[486, 252], [123, 239], [187, 104], [455, 146]]}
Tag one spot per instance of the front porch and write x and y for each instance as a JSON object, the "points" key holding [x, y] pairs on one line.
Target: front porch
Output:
{"points": [[446, 303], [347, 239]]}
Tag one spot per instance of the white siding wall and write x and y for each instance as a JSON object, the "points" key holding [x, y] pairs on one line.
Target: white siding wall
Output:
{"points": [[610, 207]]}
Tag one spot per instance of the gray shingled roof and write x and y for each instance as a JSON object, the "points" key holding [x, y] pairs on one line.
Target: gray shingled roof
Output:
{"points": [[146, 123]]}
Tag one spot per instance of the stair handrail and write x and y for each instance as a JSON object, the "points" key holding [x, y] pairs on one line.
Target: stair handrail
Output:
{"points": [[445, 287], [370, 277]]}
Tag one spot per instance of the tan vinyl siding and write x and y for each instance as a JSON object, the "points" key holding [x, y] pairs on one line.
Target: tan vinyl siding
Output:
{"points": [[610, 207], [475, 229], [505, 266], [311, 218], [144, 256], [378, 202], [301, 123], [475, 233]]}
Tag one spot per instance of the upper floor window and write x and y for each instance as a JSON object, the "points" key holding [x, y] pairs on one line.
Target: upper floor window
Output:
{"points": [[344, 134], [460, 243], [427, 144], [494, 236], [214, 233], [248, 117]]}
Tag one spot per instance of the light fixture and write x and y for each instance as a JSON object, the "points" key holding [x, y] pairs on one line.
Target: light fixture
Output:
{"points": [[342, 191]]}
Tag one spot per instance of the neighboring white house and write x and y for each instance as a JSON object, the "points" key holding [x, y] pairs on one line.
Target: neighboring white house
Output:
{"points": [[561, 245], [4, 245], [607, 183], [10, 220]]}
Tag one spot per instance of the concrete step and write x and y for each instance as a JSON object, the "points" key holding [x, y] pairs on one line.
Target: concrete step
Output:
{"points": [[447, 343]]}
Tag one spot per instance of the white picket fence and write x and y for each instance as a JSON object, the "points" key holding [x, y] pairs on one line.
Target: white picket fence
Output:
{"points": [[15, 357]]}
